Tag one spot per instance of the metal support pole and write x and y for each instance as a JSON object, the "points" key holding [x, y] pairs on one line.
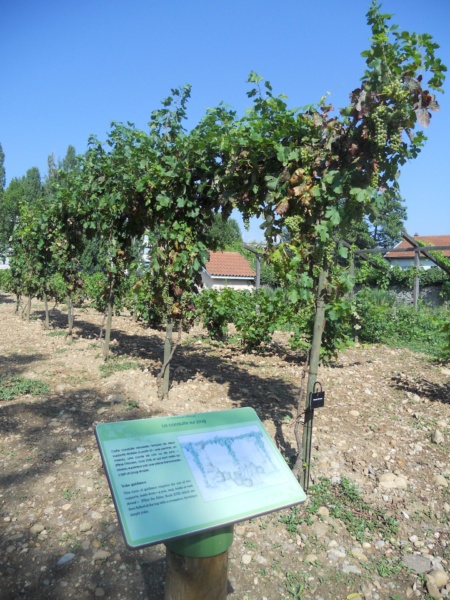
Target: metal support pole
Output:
{"points": [[258, 271]]}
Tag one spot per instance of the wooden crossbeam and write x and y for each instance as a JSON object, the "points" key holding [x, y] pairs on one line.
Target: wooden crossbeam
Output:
{"points": [[425, 252], [422, 249]]}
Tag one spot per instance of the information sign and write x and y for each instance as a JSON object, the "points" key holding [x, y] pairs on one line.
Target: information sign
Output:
{"points": [[175, 476]]}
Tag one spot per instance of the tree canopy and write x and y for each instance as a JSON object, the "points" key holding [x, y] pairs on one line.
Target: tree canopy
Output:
{"points": [[224, 234]]}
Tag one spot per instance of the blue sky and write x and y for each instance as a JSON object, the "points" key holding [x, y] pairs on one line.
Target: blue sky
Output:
{"points": [[70, 68]]}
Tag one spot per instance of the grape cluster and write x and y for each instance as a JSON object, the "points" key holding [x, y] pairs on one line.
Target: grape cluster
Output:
{"points": [[305, 155], [395, 91], [374, 179], [380, 123], [395, 141], [388, 124]]}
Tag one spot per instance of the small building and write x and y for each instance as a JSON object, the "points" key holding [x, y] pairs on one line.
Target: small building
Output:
{"points": [[405, 260], [228, 269], [4, 263]]}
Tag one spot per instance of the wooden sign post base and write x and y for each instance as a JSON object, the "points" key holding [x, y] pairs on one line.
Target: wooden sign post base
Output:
{"points": [[197, 566]]}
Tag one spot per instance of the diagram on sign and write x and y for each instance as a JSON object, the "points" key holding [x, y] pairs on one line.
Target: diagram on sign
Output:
{"points": [[230, 462]]}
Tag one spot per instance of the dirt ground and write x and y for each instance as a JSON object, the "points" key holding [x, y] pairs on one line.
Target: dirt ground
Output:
{"points": [[385, 427]]}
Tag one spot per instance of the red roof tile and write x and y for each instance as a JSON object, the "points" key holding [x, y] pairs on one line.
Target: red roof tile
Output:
{"points": [[229, 264], [429, 240]]}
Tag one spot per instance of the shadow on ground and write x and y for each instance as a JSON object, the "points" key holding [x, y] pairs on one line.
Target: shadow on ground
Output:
{"points": [[435, 392], [6, 299], [52, 474], [15, 364], [272, 397]]}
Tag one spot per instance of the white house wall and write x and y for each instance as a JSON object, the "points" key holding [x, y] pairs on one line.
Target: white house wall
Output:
{"points": [[218, 283], [4, 263], [408, 263]]}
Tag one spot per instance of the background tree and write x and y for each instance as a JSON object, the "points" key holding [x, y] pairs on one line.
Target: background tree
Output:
{"points": [[27, 190], [224, 234], [22, 208], [385, 226], [69, 162], [56, 169], [31, 260], [32, 186], [9, 212], [389, 223], [52, 173], [2, 170], [2, 189]]}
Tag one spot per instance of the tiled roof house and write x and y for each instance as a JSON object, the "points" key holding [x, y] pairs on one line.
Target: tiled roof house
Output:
{"points": [[405, 259], [228, 269]]}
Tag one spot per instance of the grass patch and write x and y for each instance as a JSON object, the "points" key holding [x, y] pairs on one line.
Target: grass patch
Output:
{"points": [[70, 494], [115, 365], [14, 386], [191, 340], [132, 405], [295, 585], [344, 502], [388, 567], [57, 333]]}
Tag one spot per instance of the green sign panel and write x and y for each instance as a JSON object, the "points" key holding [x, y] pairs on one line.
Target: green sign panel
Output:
{"points": [[175, 476]]}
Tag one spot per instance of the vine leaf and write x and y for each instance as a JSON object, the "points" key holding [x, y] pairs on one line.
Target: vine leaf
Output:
{"points": [[425, 103], [413, 84], [423, 116]]}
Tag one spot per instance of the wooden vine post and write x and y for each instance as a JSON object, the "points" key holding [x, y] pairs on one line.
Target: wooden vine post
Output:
{"points": [[69, 334], [163, 377], [108, 322], [314, 358], [258, 257], [167, 356], [47, 317]]}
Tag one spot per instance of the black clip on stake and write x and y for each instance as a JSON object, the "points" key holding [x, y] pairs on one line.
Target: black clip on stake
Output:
{"points": [[317, 397]]}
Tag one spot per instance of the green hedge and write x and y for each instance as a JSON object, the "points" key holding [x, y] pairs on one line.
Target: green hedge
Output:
{"points": [[383, 320], [5, 277], [386, 277]]}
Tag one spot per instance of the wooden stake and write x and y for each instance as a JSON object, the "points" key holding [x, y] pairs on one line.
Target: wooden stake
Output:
{"points": [[108, 323], [166, 359], [29, 308], [47, 318], [69, 334], [314, 359]]}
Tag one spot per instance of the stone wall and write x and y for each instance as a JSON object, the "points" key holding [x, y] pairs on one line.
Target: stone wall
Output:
{"points": [[429, 295]]}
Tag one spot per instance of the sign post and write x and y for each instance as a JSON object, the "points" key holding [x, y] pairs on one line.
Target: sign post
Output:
{"points": [[197, 566], [185, 481]]}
